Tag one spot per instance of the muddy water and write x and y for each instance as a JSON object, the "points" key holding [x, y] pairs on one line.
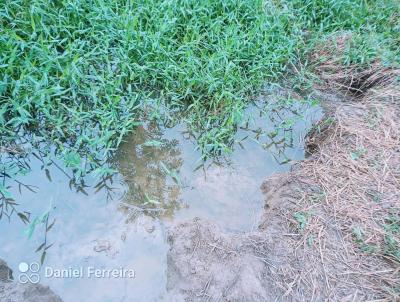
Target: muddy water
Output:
{"points": [[159, 182]]}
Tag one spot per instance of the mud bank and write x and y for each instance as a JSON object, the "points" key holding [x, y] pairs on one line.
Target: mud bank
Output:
{"points": [[329, 230], [12, 291]]}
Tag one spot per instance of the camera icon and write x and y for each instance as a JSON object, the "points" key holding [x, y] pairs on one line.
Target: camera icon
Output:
{"points": [[29, 273]]}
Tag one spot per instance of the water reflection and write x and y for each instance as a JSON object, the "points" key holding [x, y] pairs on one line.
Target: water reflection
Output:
{"points": [[149, 164], [159, 166]]}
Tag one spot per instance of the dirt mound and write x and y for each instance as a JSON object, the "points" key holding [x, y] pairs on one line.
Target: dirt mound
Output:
{"points": [[346, 215], [207, 265]]}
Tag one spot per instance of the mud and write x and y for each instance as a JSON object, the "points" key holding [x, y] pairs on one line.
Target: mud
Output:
{"points": [[206, 264]]}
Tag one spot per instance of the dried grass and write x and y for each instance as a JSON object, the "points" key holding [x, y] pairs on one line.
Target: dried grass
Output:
{"points": [[358, 194], [347, 191]]}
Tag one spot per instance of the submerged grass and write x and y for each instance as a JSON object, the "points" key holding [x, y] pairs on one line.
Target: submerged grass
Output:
{"points": [[78, 73]]}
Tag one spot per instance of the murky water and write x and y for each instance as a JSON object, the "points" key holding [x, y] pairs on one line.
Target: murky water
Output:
{"points": [[159, 182]]}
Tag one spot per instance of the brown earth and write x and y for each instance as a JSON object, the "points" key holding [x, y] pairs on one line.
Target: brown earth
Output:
{"points": [[330, 228]]}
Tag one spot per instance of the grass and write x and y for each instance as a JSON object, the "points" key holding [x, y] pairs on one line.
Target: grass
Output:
{"points": [[390, 245], [77, 74], [71, 67]]}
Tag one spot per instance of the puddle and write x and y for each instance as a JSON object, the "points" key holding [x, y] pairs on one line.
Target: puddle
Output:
{"points": [[155, 186]]}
